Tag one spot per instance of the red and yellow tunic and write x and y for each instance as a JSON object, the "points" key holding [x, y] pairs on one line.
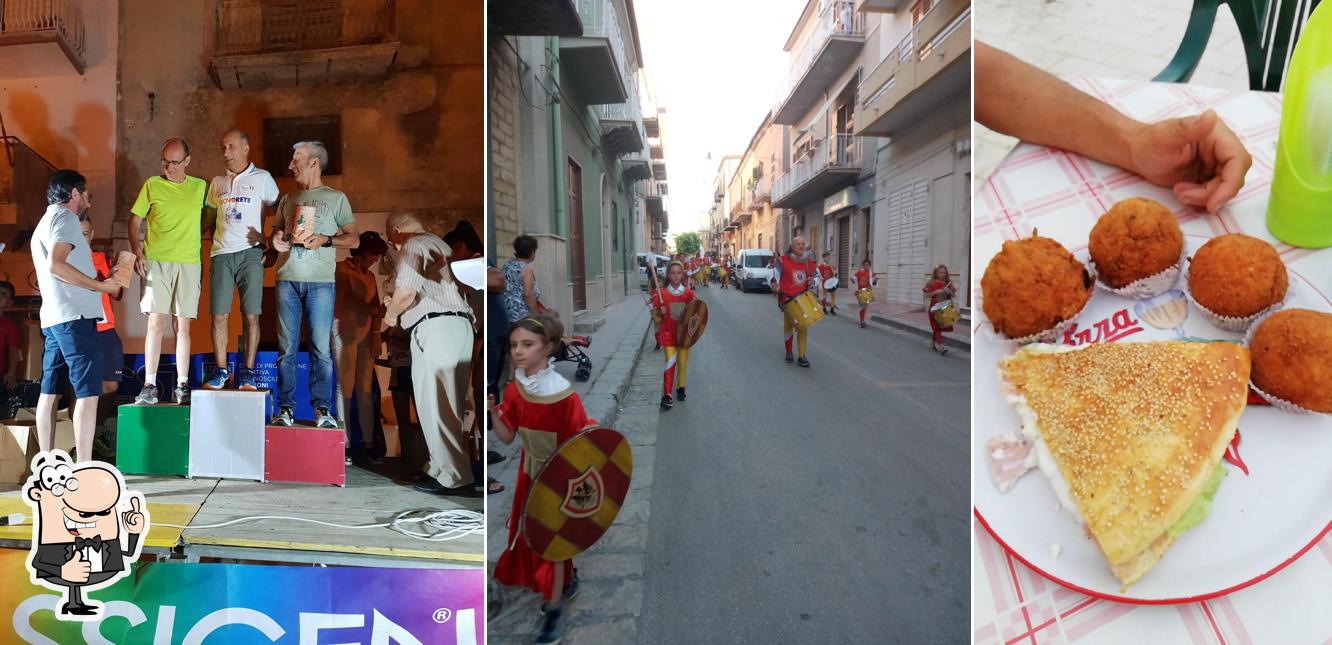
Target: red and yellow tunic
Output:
{"points": [[543, 423], [863, 279], [795, 276], [825, 271], [672, 308]]}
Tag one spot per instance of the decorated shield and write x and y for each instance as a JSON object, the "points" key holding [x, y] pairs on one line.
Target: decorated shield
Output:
{"points": [[692, 323], [577, 494]]}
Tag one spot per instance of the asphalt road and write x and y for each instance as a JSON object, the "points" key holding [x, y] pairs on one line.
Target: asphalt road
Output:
{"points": [[827, 504]]}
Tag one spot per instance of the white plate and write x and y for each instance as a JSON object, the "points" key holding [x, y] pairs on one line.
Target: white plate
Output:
{"points": [[1260, 522]]}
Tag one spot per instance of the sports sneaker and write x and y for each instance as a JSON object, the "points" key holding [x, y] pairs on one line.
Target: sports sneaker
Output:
{"points": [[245, 379], [182, 394], [803, 362], [666, 402], [679, 394], [217, 379], [147, 396], [790, 358], [552, 627], [862, 324], [284, 417], [323, 419], [571, 589]]}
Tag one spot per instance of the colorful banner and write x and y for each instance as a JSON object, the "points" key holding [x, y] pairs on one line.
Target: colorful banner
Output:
{"points": [[165, 603]]}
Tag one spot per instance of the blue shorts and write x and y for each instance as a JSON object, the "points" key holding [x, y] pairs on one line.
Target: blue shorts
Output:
{"points": [[113, 355], [71, 356]]}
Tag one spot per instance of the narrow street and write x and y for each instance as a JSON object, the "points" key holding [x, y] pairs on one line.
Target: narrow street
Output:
{"points": [[808, 505]]}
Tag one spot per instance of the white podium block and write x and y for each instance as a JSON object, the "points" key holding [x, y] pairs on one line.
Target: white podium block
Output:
{"points": [[227, 433]]}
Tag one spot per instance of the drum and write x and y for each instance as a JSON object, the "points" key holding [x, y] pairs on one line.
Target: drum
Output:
{"points": [[804, 310], [831, 283], [944, 313], [864, 296], [697, 276]]}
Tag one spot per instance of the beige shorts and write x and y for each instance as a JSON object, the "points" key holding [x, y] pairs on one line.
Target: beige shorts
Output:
{"points": [[172, 288]]}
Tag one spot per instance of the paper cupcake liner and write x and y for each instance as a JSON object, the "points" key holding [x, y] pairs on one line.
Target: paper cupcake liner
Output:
{"points": [[1275, 401], [1056, 333], [1231, 323], [1150, 286]]}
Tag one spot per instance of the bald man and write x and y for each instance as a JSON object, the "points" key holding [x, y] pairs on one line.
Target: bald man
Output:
{"points": [[794, 274], [237, 200], [172, 205]]}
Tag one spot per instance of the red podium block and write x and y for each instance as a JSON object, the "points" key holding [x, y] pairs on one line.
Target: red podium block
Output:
{"points": [[305, 454]]}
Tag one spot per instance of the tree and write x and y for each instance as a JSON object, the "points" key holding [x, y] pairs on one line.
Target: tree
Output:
{"points": [[688, 243]]}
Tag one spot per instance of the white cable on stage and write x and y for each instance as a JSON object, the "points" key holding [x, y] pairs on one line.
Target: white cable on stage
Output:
{"points": [[448, 524]]}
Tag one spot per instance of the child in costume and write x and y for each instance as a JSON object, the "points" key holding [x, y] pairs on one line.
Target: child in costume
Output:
{"points": [[540, 406], [865, 281], [671, 301], [827, 271]]}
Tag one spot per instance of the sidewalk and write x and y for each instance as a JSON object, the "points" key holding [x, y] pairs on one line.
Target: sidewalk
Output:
{"points": [[915, 320]]}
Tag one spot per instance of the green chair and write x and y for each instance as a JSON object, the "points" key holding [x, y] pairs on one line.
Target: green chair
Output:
{"points": [[1269, 29]]}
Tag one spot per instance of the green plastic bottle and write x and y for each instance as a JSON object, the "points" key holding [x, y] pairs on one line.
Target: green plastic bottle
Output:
{"points": [[1299, 210]]}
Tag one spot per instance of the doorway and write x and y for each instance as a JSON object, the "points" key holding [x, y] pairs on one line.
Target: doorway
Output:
{"points": [[577, 260]]}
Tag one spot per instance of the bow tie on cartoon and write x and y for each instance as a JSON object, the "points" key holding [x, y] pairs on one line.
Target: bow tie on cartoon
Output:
{"points": [[81, 544]]}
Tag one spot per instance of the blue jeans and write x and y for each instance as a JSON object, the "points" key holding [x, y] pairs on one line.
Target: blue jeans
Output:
{"points": [[313, 300]]}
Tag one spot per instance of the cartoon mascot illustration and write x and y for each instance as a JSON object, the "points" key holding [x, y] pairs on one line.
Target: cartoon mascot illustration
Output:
{"points": [[77, 516]]}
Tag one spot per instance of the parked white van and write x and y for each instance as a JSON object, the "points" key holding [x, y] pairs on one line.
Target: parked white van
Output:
{"points": [[642, 270], [752, 270]]}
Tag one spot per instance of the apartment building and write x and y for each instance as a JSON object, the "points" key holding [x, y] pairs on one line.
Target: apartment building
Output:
{"points": [[750, 188], [827, 187], [914, 100], [571, 154]]}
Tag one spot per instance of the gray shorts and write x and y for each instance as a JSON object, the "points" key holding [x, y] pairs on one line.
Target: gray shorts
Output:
{"points": [[243, 270]]}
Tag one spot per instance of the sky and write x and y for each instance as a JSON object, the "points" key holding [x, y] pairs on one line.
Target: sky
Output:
{"points": [[715, 66]]}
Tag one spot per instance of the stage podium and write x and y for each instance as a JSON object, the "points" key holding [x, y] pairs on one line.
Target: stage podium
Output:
{"points": [[304, 453], [153, 439], [227, 433]]}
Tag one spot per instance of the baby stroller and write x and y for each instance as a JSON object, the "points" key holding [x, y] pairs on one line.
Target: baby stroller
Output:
{"points": [[571, 349]]}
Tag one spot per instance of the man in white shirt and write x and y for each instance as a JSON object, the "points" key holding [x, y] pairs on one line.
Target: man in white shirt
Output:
{"points": [[237, 199], [71, 307]]}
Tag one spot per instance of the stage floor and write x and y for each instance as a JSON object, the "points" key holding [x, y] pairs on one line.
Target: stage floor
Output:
{"points": [[367, 498]]}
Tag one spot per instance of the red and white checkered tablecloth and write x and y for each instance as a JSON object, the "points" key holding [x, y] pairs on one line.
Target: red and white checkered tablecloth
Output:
{"points": [[1061, 194]]}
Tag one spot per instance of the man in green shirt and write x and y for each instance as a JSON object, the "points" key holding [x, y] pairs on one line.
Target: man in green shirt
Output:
{"points": [[168, 262], [309, 224]]}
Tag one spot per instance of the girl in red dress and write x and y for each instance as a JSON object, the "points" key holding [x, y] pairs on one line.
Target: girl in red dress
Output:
{"points": [[671, 301], [939, 288], [865, 279], [540, 406]]}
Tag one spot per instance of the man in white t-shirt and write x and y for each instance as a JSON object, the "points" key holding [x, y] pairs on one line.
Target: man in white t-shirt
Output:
{"points": [[237, 199], [71, 307]]}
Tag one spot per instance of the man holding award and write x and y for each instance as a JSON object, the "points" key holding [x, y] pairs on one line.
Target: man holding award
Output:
{"points": [[309, 224]]}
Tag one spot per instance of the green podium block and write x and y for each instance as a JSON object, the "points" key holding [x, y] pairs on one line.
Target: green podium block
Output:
{"points": [[153, 439]]}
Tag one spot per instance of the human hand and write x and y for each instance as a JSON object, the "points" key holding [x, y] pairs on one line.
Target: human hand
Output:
{"points": [[109, 286], [141, 265], [390, 322], [76, 569], [1198, 157], [280, 243], [314, 241], [134, 519]]}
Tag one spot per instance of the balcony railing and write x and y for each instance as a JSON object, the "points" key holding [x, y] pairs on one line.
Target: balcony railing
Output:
{"points": [[838, 19], [61, 20], [935, 42], [841, 151], [761, 190], [260, 27]]}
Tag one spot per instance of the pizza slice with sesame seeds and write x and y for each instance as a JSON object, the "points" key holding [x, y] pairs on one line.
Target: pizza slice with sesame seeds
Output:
{"points": [[1131, 435]]}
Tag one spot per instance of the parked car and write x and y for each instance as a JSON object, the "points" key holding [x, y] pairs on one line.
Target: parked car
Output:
{"points": [[642, 270], [753, 270]]}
